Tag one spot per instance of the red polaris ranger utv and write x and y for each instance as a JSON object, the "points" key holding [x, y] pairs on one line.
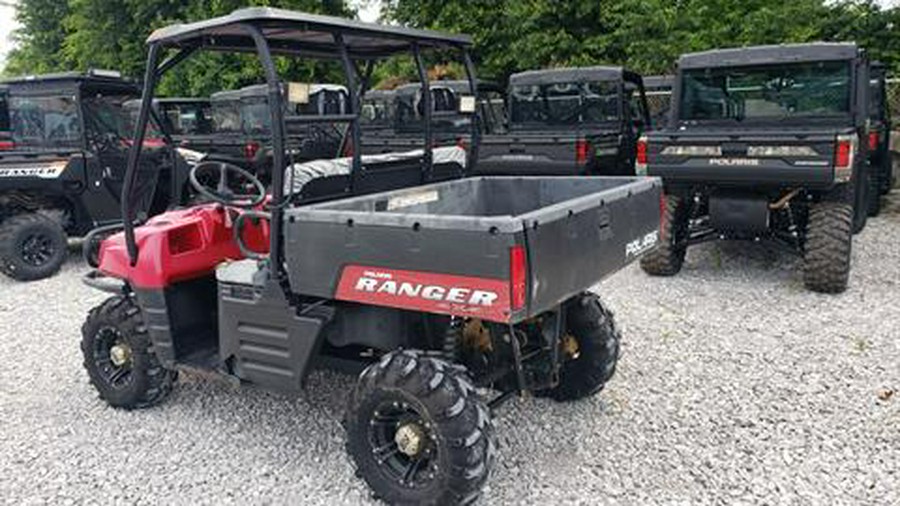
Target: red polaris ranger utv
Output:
{"points": [[442, 290]]}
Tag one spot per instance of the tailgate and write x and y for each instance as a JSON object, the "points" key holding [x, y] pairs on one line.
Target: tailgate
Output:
{"points": [[744, 159], [542, 153], [573, 247]]}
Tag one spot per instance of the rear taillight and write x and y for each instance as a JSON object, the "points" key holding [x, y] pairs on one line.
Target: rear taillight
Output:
{"points": [[7, 145], [250, 150], [582, 150], [461, 143], [640, 160], [873, 141], [844, 151], [518, 277]]}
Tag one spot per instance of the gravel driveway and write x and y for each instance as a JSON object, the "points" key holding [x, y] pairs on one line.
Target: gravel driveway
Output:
{"points": [[735, 386]]}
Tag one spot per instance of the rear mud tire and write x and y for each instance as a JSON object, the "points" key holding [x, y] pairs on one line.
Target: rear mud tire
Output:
{"points": [[826, 259], [667, 258], [412, 387], [139, 383], [32, 247], [594, 329]]}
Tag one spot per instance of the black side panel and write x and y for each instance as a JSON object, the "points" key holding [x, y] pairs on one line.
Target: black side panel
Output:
{"points": [[156, 316], [264, 339], [566, 255], [180, 319]]}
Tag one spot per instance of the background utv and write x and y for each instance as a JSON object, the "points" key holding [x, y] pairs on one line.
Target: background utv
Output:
{"points": [[766, 142]]}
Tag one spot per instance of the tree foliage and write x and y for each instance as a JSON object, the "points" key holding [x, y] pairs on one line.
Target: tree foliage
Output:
{"points": [[83, 34], [510, 35], [646, 35]]}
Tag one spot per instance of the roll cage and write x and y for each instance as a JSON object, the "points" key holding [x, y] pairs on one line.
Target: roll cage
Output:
{"points": [[267, 32]]}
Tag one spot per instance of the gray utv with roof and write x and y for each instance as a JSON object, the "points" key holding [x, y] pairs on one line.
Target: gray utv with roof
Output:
{"points": [[446, 294], [63, 163], [765, 142], [569, 121]]}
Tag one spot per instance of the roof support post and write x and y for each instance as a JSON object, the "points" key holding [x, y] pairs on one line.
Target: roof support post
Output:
{"points": [[134, 154], [427, 166], [477, 120], [355, 132], [276, 111]]}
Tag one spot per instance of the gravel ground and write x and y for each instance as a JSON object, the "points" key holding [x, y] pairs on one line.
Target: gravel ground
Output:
{"points": [[735, 386]]}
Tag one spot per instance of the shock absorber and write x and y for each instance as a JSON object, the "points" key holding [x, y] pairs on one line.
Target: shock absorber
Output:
{"points": [[452, 340]]}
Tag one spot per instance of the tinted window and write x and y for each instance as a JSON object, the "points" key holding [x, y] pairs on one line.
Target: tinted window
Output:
{"points": [[44, 122], [565, 103], [817, 89]]}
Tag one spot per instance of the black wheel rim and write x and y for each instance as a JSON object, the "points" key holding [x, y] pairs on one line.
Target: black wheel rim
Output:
{"points": [[37, 249], [396, 461], [117, 374]]}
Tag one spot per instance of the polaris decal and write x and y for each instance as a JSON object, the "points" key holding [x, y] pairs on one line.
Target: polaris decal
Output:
{"points": [[466, 296], [641, 245], [734, 162], [51, 171]]}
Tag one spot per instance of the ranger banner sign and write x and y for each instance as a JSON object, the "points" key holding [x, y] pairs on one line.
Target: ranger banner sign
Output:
{"points": [[44, 171]]}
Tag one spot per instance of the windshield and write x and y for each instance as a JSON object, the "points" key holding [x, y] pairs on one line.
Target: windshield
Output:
{"points": [[784, 91], [377, 111], [44, 122], [113, 117], [187, 118], [565, 103], [226, 116], [255, 116]]}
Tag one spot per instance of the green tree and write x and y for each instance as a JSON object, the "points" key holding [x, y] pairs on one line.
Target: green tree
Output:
{"points": [[646, 35], [40, 40]]}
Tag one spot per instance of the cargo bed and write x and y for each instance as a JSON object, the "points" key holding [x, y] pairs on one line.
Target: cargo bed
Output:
{"points": [[574, 231]]}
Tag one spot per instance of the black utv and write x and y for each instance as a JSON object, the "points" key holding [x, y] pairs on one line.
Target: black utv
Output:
{"points": [[765, 142], [880, 162], [569, 121], [62, 167], [242, 129]]}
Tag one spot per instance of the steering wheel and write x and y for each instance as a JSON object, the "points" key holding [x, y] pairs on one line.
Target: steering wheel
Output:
{"points": [[223, 193]]}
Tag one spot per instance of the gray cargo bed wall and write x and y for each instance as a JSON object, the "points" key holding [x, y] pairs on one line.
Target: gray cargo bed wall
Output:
{"points": [[575, 229]]}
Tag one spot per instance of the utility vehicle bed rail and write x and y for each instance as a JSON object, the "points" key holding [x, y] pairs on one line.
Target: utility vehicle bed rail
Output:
{"points": [[498, 248]]}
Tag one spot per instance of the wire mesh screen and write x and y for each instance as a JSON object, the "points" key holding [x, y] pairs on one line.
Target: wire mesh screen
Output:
{"points": [[658, 104], [893, 99]]}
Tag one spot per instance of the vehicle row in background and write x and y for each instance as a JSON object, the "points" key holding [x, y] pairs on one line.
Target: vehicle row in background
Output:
{"points": [[63, 162], [766, 142]]}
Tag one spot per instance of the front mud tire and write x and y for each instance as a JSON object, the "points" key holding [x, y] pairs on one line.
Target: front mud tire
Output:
{"points": [[829, 238], [596, 341], [32, 247], [119, 357], [411, 392], [667, 258]]}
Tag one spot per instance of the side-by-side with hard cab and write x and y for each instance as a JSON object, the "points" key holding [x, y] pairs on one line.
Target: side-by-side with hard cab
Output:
{"points": [[766, 142], [62, 166]]}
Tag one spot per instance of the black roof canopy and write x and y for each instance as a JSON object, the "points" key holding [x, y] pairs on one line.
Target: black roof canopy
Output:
{"points": [[761, 55], [658, 82], [290, 32], [457, 86], [68, 82], [570, 75]]}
